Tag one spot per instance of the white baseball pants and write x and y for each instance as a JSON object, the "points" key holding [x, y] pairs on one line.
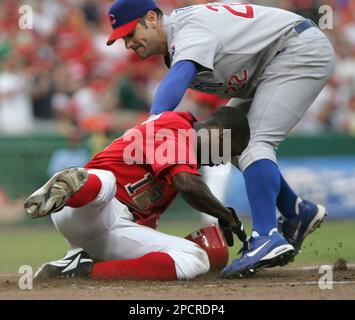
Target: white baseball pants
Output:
{"points": [[106, 230]]}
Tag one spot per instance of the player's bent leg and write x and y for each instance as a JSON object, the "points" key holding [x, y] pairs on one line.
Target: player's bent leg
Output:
{"points": [[74, 187], [175, 265], [110, 235], [151, 266], [97, 192], [190, 262], [169, 264], [130, 241], [84, 224]]}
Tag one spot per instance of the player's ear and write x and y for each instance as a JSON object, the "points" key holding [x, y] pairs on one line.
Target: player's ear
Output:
{"points": [[151, 17]]}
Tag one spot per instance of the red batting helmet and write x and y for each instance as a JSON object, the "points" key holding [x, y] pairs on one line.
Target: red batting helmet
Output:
{"points": [[211, 240]]}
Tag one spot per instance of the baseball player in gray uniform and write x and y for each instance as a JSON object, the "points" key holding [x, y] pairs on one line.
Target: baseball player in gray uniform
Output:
{"points": [[272, 64]]}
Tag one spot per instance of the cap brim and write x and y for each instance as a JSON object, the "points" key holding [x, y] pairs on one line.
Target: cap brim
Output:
{"points": [[122, 31]]}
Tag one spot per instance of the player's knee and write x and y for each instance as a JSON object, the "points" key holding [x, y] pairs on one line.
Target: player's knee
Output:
{"points": [[203, 261], [200, 263], [256, 152], [108, 188], [192, 263]]}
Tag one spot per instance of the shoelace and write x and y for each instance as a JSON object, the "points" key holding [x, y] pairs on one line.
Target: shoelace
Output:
{"points": [[246, 246]]}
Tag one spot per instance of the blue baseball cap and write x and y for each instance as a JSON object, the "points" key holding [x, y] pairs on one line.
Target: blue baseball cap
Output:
{"points": [[124, 16]]}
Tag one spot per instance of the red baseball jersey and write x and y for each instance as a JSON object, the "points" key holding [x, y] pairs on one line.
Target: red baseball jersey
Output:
{"points": [[144, 161]]}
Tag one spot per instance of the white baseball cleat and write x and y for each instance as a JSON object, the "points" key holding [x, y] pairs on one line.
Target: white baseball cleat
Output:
{"points": [[53, 196]]}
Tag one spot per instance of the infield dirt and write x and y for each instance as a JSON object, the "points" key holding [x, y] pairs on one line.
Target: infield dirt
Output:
{"points": [[278, 283]]}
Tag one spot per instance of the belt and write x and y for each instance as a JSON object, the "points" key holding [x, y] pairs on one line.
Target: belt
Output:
{"points": [[303, 26]]}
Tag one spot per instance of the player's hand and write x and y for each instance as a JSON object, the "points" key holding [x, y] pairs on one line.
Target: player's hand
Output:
{"points": [[234, 227]]}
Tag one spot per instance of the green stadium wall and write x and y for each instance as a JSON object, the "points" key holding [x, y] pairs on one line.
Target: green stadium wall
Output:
{"points": [[24, 160]]}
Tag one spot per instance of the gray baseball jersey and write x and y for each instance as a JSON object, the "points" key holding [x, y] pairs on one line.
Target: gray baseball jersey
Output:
{"points": [[232, 42]]}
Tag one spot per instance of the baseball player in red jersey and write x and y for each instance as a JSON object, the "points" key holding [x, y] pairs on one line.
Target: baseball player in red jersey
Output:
{"points": [[108, 211]]}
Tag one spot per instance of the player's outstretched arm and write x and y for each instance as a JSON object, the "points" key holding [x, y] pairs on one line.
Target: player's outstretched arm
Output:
{"points": [[197, 194], [173, 87]]}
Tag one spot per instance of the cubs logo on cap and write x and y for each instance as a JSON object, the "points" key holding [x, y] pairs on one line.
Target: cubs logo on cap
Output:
{"points": [[124, 16], [113, 19]]}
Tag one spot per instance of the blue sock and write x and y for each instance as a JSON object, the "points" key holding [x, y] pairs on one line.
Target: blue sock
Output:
{"points": [[262, 181], [286, 200]]}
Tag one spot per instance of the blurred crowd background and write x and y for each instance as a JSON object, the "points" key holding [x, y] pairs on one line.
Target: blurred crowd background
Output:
{"points": [[62, 77]]}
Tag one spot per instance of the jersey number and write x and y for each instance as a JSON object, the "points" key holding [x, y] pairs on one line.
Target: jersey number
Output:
{"points": [[147, 198], [132, 188], [248, 13]]}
